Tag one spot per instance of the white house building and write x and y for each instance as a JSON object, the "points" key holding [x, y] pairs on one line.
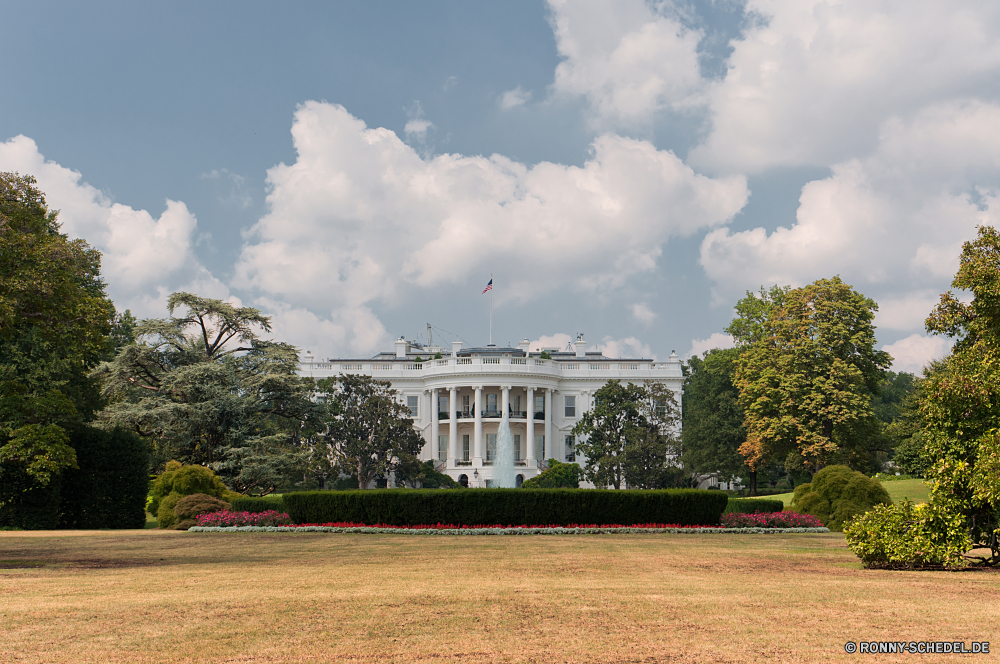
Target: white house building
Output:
{"points": [[458, 399]]}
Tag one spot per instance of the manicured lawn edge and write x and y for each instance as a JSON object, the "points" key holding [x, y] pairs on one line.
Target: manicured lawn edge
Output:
{"points": [[501, 531]]}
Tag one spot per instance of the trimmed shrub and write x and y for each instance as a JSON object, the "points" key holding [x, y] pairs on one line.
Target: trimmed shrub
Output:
{"points": [[558, 476], [837, 493], [753, 506], [507, 507], [257, 504], [109, 488], [189, 507], [909, 536], [179, 481], [165, 516]]}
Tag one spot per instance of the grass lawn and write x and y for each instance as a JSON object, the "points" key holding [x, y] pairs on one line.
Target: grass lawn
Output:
{"points": [[915, 490], [168, 596]]}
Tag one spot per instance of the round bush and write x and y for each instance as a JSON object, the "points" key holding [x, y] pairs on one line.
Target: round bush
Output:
{"points": [[837, 494], [189, 507], [165, 516], [183, 481]]}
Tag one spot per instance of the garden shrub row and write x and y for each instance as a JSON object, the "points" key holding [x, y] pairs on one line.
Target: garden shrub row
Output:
{"points": [[507, 507], [753, 506], [258, 504]]}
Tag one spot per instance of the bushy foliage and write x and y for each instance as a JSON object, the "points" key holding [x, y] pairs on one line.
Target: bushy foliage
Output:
{"points": [[558, 476], [770, 520], [257, 504], [507, 506], [191, 506], [837, 493], [908, 535], [179, 481], [415, 473], [752, 506]]}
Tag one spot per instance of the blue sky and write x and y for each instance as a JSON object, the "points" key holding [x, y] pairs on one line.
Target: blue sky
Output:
{"points": [[623, 169]]}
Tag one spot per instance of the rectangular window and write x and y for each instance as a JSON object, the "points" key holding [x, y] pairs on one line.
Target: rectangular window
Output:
{"points": [[540, 447], [465, 405], [443, 403], [491, 405], [515, 403], [465, 447], [660, 407], [570, 448], [442, 448], [413, 405], [540, 404], [570, 406], [517, 448], [491, 446]]}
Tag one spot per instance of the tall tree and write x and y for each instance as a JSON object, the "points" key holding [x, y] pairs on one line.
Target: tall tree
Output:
{"points": [[370, 432], [713, 428], [54, 319], [806, 372], [209, 390]]}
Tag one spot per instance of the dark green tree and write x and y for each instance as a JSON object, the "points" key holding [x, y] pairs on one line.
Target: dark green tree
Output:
{"points": [[713, 431], [369, 430], [208, 390], [557, 476]]}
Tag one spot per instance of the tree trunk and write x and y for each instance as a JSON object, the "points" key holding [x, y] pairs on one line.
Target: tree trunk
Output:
{"points": [[753, 482]]}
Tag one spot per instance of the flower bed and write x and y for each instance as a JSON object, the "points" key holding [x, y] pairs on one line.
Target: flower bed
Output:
{"points": [[451, 529], [770, 520], [226, 519]]}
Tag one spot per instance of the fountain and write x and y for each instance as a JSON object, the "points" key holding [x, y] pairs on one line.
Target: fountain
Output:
{"points": [[504, 476]]}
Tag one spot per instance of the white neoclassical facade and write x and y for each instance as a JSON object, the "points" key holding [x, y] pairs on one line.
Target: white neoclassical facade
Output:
{"points": [[457, 400]]}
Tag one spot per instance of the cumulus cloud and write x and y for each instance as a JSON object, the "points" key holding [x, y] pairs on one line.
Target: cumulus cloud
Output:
{"points": [[915, 351], [514, 98], [813, 82], [643, 313], [628, 58], [629, 347], [144, 258], [715, 340], [891, 224], [362, 217]]}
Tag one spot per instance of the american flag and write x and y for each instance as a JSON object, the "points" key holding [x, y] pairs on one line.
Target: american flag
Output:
{"points": [[489, 287]]}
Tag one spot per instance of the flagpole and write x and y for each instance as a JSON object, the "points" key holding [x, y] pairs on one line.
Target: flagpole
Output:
{"points": [[491, 310]]}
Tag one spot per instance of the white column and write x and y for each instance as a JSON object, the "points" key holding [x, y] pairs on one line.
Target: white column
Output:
{"points": [[529, 429], [477, 459], [548, 424], [505, 400], [453, 428], [435, 427]]}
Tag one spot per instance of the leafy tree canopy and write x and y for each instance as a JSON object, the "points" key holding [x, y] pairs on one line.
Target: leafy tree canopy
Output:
{"points": [[209, 390], [369, 432], [806, 372]]}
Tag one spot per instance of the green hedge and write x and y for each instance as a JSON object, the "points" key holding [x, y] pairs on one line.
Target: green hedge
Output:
{"points": [[258, 504], [109, 488], [507, 507], [753, 506]]}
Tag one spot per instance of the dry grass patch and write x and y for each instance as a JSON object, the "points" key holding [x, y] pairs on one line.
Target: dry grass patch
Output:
{"points": [[148, 596]]}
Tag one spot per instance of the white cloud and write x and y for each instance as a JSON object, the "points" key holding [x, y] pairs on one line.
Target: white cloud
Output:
{"points": [[417, 126], [514, 98], [627, 58], [643, 313], [629, 348], [559, 341], [814, 82], [144, 258], [361, 217], [915, 351], [891, 224], [715, 340]]}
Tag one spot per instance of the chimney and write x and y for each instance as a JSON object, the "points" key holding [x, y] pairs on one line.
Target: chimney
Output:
{"points": [[455, 347], [401, 347], [581, 346], [308, 357], [524, 345]]}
